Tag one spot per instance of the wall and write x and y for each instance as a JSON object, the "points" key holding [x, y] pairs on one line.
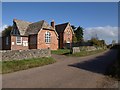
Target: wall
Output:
{"points": [[68, 34], [85, 48], [18, 47], [60, 40], [53, 45], [75, 50], [8, 55]]}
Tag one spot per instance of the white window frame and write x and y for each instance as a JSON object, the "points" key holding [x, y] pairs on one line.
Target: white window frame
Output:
{"points": [[7, 41], [18, 41], [25, 43], [47, 37]]}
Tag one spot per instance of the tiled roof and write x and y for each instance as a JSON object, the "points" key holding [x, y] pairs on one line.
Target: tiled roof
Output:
{"points": [[22, 26], [27, 28], [61, 27], [34, 28]]}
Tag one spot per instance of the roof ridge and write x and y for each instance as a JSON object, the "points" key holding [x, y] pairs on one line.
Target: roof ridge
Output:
{"points": [[21, 20], [37, 21], [43, 21], [47, 24]]}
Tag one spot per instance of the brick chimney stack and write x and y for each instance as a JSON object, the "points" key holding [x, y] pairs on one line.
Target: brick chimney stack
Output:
{"points": [[53, 24]]}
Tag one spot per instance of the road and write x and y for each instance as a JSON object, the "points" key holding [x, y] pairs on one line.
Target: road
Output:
{"points": [[67, 72]]}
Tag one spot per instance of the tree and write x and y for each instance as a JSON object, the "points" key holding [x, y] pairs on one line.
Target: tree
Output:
{"points": [[73, 27], [74, 39], [96, 42], [103, 42], [79, 34], [74, 36], [6, 31], [113, 42], [95, 36]]}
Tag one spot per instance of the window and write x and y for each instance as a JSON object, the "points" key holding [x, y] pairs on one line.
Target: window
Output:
{"points": [[25, 43], [18, 40], [68, 40], [7, 41], [47, 37]]}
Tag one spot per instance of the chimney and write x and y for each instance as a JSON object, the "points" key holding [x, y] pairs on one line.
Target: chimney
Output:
{"points": [[53, 24]]}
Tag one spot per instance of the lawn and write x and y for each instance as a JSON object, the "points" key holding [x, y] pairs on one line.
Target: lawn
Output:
{"points": [[16, 65]]}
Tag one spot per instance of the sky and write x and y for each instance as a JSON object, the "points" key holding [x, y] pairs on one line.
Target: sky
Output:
{"points": [[99, 18]]}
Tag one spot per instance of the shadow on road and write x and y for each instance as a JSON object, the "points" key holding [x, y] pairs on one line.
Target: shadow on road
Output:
{"points": [[98, 64]]}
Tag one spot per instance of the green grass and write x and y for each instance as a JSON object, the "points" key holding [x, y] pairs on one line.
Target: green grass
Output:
{"points": [[80, 54], [60, 51], [86, 53], [16, 65]]}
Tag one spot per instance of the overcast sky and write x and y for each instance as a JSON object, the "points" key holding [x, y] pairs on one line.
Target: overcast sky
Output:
{"points": [[96, 18]]}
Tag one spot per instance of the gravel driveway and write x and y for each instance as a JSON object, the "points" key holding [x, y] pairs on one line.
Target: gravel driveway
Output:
{"points": [[67, 72]]}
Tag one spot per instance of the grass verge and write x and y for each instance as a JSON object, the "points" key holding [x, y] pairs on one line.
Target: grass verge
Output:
{"points": [[16, 65], [114, 70], [80, 54], [60, 51], [86, 53]]}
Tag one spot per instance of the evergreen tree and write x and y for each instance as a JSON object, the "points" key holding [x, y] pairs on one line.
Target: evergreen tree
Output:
{"points": [[74, 39], [79, 34], [73, 27], [74, 36], [6, 31]]}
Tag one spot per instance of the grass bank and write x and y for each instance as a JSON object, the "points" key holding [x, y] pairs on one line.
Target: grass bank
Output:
{"points": [[87, 53], [114, 69], [16, 65], [79, 54], [61, 51]]}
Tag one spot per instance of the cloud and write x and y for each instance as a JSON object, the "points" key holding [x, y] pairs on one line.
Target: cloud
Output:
{"points": [[107, 33]]}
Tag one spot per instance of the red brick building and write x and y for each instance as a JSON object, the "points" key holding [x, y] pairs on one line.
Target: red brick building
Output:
{"points": [[26, 35], [65, 33], [38, 35]]}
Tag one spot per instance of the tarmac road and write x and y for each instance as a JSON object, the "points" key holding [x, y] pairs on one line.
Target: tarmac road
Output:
{"points": [[67, 72]]}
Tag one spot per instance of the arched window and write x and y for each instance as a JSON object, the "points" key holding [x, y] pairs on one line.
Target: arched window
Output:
{"points": [[47, 37]]}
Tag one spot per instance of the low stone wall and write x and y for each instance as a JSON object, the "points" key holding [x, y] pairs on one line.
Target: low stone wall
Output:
{"points": [[8, 55], [85, 48], [75, 50]]}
